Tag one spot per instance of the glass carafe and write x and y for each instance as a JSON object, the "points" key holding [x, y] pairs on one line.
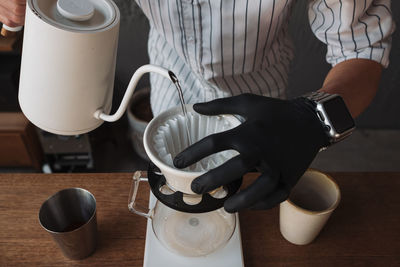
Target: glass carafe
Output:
{"points": [[184, 233]]}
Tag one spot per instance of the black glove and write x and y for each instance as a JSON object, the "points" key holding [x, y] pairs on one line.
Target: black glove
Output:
{"points": [[279, 138]]}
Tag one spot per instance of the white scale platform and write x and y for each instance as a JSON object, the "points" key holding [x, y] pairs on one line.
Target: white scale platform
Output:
{"points": [[156, 255]]}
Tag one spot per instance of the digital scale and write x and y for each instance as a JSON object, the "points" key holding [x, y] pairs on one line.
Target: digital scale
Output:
{"points": [[157, 255]]}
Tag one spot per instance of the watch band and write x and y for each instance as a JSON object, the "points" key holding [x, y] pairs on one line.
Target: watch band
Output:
{"points": [[318, 96]]}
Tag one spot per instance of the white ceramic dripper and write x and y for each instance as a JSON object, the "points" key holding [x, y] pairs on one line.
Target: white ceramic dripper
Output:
{"points": [[165, 136]]}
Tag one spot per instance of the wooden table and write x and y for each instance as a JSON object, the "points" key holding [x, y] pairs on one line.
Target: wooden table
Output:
{"points": [[363, 231]]}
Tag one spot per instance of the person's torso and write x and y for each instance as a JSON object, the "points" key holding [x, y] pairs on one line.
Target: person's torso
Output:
{"points": [[229, 46]]}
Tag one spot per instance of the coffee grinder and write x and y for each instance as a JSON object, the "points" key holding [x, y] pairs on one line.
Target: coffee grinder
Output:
{"points": [[185, 228]]}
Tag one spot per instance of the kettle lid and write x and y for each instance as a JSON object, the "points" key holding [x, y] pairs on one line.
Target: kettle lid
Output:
{"points": [[76, 15]]}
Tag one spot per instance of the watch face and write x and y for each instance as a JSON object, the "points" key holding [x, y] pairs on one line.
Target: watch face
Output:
{"points": [[338, 114]]}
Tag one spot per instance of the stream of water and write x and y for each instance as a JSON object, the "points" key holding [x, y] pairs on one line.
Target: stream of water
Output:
{"points": [[183, 105]]}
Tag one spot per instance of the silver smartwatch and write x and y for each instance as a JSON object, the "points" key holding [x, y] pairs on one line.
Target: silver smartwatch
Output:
{"points": [[333, 114]]}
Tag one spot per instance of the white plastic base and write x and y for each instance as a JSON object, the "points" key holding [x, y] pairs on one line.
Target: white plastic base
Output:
{"points": [[157, 255]]}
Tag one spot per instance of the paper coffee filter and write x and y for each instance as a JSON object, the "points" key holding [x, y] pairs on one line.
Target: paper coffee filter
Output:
{"points": [[171, 138]]}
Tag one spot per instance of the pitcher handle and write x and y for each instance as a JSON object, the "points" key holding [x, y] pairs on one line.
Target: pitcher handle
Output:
{"points": [[100, 115], [138, 177]]}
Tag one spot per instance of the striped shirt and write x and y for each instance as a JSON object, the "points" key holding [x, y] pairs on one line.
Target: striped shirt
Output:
{"points": [[220, 48]]}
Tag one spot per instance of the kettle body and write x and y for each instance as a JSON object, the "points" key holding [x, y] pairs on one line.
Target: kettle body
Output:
{"points": [[68, 66]]}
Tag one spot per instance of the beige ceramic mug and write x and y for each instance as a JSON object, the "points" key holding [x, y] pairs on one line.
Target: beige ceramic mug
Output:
{"points": [[310, 204]]}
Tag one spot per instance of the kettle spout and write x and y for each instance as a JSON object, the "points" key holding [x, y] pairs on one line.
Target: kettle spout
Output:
{"points": [[100, 115]]}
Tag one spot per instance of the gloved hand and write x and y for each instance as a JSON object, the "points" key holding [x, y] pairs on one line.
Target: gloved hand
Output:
{"points": [[279, 138]]}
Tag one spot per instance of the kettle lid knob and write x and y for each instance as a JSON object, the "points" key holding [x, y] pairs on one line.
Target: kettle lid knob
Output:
{"points": [[76, 10]]}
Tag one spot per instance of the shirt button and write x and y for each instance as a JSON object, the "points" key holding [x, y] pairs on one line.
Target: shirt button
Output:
{"points": [[190, 39]]}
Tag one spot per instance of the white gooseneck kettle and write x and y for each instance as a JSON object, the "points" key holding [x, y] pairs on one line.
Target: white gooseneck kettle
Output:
{"points": [[68, 65]]}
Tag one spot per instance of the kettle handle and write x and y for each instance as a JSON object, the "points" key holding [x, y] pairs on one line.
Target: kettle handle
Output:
{"points": [[7, 31], [132, 205], [99, 114]]}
